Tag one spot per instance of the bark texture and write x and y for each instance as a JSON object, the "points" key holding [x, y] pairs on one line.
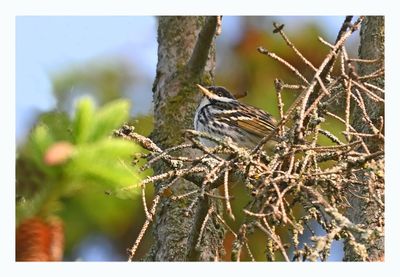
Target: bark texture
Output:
{"points": [[186, 56], [372, 46], [363, 211]]}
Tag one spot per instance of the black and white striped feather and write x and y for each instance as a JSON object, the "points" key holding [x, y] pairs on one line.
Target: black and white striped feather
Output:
{"points": [[220, 115]]}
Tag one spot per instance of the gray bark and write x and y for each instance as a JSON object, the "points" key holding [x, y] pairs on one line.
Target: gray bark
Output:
{"points": [[372, 46], [186, 56], [364, 211]]}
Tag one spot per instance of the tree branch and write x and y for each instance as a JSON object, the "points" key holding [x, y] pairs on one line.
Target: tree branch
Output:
{"points": [[195, 234], [199, 56]]}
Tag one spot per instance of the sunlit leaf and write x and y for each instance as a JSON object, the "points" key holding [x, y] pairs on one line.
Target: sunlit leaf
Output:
{"points": [[106, 162], [105, 149], [109, 118], [83, 120]]}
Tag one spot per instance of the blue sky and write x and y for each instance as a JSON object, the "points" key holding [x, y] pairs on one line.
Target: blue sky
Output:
{"points": [[48, 44]]}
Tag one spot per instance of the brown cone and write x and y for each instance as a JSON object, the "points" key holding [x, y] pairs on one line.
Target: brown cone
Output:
{"points": [[38, 240]]}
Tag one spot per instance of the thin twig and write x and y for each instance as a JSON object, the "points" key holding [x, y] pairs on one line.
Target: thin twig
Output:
{"points": [[226, 195], [278, 89], [290, 44], [325, 42], [132, 250], [353, 129], [274, 56], [371, 95], [347, 109], [272, 235]]}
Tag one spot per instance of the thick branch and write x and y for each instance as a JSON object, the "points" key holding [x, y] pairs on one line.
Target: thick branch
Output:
{"points": [[200, 53], [200, 219]]}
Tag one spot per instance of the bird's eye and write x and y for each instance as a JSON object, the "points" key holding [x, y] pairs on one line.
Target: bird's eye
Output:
{"points": [[225, 93], [221, 92]]}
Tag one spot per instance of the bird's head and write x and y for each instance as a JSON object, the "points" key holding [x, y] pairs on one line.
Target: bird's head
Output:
{"points": [[217, 93]]}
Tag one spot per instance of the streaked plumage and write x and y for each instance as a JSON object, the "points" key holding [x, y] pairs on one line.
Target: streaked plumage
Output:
{"points": [[220, 114]]}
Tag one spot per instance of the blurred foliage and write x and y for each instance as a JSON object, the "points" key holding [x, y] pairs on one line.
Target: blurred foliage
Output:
{"points": [[63, 156]]}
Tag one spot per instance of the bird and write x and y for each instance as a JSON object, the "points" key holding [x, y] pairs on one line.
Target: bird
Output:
{"points": [[221, 115]]}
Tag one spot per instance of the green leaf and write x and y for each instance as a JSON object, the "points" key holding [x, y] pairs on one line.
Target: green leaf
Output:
{"points": [[106, 162], [105, 150], [83, 121], [109, 118], [40, 140]]}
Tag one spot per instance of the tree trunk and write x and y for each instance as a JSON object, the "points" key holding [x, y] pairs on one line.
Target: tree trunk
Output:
{"points": [[363, 211], [186, 56]]}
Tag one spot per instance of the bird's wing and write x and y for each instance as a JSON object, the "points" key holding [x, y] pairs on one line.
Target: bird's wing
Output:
{"points": [[258, 123]]}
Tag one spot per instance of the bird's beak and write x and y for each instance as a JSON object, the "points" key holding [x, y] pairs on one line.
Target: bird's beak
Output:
{"points": [[206, 92]]}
